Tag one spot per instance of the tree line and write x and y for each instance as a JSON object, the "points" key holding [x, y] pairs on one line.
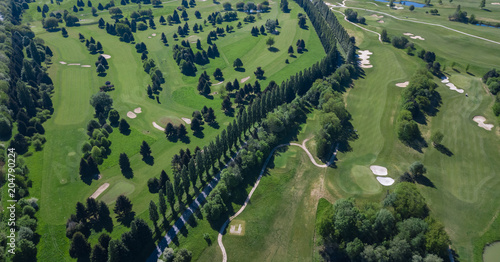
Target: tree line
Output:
{"points": [[492, 80]]}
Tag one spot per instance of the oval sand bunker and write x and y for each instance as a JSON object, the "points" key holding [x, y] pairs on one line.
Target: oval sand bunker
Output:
{"points": [[480, 122], [379, 170], [404, 84], [158, 126], [131, 114], [138, 110], [106, 56], [385, 181]]}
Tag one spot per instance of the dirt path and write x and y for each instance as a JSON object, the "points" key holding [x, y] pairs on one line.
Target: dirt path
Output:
{"points": [[303, 146]]}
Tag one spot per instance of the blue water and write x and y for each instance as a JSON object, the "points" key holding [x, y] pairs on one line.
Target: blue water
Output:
{"points": [[407, 3], [487, 25]]}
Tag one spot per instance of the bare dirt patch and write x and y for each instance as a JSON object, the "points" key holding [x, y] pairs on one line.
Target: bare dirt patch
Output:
{"points": [[99, 190], [218, 83]]}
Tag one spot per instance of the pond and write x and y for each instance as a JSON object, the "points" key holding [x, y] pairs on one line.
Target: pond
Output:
{"points": [[407, 3], [491, 252]]}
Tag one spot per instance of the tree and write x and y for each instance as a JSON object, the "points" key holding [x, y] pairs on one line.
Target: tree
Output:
{"points": [[218, 74], [302, 21], [124, 163], [482, 4], [169, 190], [99, 254], [153, 213], [101, 102], [79, 247], [384, 36], [123, 126], [123, 206], [290, 50], [226, 104], [436, 138], [271, 25], [181, 131], [162, 205], [237, 63], [417, 169], [117, 251], [259, 73], [270, 42], [145, 150], [412, 7], [227, 6]]}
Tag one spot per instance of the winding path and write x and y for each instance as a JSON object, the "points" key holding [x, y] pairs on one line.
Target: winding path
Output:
{"points": [[303, 146], [413, 21]]}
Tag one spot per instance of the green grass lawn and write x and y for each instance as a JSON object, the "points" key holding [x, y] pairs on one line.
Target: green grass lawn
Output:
{"points": [[55, 170]]}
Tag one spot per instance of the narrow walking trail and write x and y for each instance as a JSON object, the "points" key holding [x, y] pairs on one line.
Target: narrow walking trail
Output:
{"points": [[303, 146], [195, 205]]}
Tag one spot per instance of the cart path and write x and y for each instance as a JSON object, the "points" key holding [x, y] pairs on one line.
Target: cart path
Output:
{"points": [[303, 146]]}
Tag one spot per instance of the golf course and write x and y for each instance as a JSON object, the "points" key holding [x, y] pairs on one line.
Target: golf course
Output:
{"points": [[243, 131]]}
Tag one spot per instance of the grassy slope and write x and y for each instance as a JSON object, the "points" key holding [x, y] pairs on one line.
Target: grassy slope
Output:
{"points": [[55, 169]]}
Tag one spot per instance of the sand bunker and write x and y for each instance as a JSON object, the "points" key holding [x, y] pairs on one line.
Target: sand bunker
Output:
{"points": [[245, 79], [138, 110], [158, 126], [187, 120], [480, 122], [450, 85], [417, 37], [381, 21], [85, 65], [106, 56], [407, 34], [495, 3], [131, 114], [73, 64], [379, 170], [62, 62], [99, 190], [218, 83], [377, 16], [385, 181], [404, 84], [149, 36], [365, 56]]}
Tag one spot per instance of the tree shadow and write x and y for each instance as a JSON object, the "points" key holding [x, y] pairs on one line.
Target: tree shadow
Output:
{"points": [[241, 69], [214, 125], [418, 144], [173, 138], [199, 133], [125, 132], [423, 180], [444, 150], [150, 160], [185, 140], [273, 49]]}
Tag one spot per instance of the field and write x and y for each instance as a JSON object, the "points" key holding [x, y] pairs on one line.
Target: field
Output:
{"points": [[56, 180]]}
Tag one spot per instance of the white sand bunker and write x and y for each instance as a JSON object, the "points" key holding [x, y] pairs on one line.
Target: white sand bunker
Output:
{"points": [[404, 84], [495, 3], [106, 56], [153, 34], [417, 37], [408, 34], [381, 21], [377, 16], [480, 122], [138, 110], [62, 62], [245, 79], [73, 64], [397, 7], [85, 65], [365, 56], [149, 36], [379, 170], [385, 181], [99, 190], [158, 126], [131, 114], [446, 81], [233, 230], [218, 83], [187, 120]]}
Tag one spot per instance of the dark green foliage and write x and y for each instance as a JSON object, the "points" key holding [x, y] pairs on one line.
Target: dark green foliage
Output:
{"points": [[123, 206], [79, 247], [399, 42]]}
